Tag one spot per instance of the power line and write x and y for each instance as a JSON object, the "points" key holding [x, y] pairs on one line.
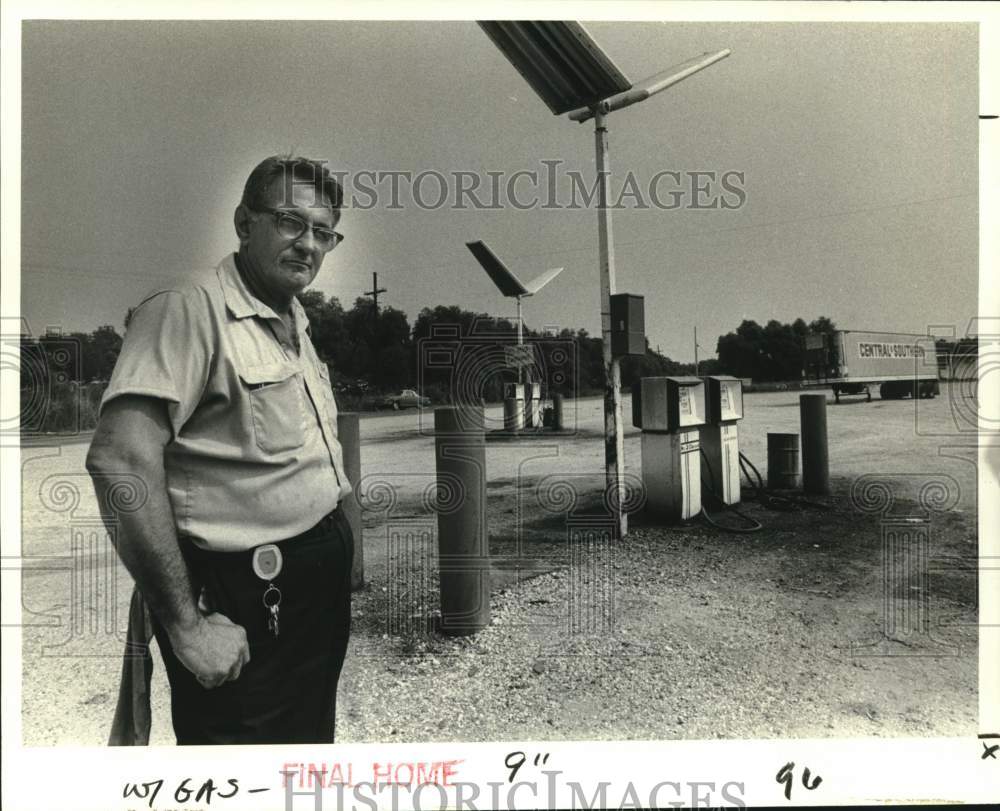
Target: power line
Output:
{"points": [[79, 270], [753, 226]]}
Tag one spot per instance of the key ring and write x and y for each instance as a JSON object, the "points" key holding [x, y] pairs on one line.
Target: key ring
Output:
{"points": [[276, 598]]}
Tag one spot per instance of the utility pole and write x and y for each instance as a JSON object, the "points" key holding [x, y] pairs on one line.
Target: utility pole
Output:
{"points": [[375, 291], [696, 351]]}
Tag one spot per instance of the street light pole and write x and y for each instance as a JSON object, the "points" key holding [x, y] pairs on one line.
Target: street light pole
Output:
{"points": [[573, 75], [614, 435], [520, 342], [512, 287]]}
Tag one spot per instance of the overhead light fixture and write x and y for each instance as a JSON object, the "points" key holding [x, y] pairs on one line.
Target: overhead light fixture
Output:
{"points": [[560, 60]]}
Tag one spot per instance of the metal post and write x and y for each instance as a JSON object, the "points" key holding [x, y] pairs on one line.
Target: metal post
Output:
{"points": [[557, 412], [614, 437], [510, 420], [463, 543], [815, 453], [349, 435], [696, 351], [520, 342]]}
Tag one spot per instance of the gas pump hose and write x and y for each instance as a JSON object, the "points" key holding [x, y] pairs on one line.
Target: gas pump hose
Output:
{"points": [[785, 503], [755, 525]]}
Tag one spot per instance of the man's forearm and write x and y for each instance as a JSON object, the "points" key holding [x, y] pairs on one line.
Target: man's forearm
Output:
{"points": [[146, 541]]}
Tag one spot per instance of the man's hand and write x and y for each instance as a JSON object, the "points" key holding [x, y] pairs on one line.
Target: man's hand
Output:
{"points": [[215, 649]]}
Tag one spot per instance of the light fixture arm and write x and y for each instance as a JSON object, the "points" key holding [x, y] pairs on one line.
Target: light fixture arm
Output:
{"points": [[648, 87]]}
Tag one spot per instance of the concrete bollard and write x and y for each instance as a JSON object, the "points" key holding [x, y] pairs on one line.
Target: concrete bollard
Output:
{"points": [[510, 415], [463, 541], [782, 461], [815, 448], [349, 434], [557, 412]]}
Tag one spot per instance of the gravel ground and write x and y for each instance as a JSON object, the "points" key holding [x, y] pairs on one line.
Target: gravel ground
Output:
{"points": [[677, 632], [712, 636]]}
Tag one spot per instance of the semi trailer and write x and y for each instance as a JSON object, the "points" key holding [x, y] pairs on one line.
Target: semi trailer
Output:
{"points": [[852, 362]]}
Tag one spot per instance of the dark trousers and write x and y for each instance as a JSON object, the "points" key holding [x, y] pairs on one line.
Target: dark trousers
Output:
{"points": [[287, 693]]}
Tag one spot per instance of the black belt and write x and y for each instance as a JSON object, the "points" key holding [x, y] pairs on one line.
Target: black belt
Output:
{"points": [[288, 546]]}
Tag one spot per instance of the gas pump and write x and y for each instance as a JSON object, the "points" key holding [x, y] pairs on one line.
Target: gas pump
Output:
{"points": [[720, 435], [533, 405], [669, 411], [513, 417]]}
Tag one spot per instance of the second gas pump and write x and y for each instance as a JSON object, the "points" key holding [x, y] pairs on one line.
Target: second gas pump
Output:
{"points": [[720, 435]]}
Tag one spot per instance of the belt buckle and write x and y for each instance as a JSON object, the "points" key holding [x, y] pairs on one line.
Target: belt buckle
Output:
{"points": [[267, 561]]}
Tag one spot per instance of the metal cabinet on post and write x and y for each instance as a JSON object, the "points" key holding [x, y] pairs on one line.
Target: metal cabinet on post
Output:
{"points": [[720, 435], [669, 410], [628, 325]]}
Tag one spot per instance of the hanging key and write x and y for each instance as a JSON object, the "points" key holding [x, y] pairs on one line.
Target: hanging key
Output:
{"points": [[267, 563], [272, 602], [273, 621]]}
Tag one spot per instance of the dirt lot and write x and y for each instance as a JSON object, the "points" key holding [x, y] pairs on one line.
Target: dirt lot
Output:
{"points": [[677, 632]]}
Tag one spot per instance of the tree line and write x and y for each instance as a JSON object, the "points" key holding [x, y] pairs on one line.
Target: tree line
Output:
{"points": [[449, 351], [377, 350], [774, 352], [446, 352]]}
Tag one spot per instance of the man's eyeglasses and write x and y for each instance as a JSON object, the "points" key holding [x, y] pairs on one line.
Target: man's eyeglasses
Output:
{"points": [[291, 226]]}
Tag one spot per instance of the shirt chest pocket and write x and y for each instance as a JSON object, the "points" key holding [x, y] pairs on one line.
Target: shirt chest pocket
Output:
{"points": [[327, 393], [277, 412]]}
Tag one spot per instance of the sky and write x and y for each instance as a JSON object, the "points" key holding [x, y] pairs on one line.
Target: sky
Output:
{"points": [[855, 145]]}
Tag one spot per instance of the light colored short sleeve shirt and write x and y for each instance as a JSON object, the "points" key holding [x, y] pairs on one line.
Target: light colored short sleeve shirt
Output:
{"points": [[254, 456]]}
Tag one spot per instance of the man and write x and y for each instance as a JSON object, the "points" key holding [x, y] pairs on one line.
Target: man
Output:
{"points": [[221, 407]]}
